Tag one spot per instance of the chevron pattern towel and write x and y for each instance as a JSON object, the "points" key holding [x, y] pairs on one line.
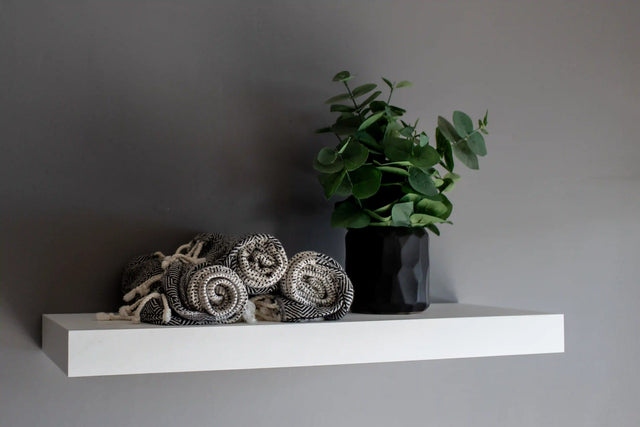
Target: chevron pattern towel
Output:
{"points": [[314, 287], [260, 261], [204, 293]]}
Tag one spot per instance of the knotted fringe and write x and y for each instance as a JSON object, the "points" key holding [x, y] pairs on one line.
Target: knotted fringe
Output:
{"points": [[266, 308], [260, 261], [314, 287]]}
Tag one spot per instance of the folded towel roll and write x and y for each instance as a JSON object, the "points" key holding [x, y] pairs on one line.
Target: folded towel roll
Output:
{"points": [[260, 261], [315, 286], [203, 294]]}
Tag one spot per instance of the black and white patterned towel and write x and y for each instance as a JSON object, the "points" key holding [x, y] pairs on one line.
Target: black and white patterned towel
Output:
{"points": [[204, 293], [314, 287], [260, 261]]}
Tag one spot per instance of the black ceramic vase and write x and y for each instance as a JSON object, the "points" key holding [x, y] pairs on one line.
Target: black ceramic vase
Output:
{"points": [[389, 268]]}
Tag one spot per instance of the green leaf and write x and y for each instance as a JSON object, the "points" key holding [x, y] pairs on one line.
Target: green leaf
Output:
{"points": [[342, 76], [397, 149], [371, 97], [486, 114], [444, 149], [366, 181], [397, 111], [424, 157], [349, 215], [404, 83], [361, 90], [421, 182], [424, 139], [344, 189], [337, 98], [327, 156], [432, 207], [448, 130], [400, 214], [388, 83], [407, 131], [346, 126], [422, 220], [462, 123], [411, 197], [392, 130], [452, 176], [341, 108], [476, 144], [448, 186], [371, 120], [331, 181], [465, 155], [433, 229], [378, 106], [354, 155], [336, 166], [323, 130], [368, 140], [393, 170], [447, 203]]}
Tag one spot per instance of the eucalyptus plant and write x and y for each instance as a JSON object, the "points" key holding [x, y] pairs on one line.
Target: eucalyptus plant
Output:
{"points": [[386, 170]]}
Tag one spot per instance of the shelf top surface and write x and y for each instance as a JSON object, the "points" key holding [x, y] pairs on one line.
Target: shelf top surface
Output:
{"points": [[87, 321]]}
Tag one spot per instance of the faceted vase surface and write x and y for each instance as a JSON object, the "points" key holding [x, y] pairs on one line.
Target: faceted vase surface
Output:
{"points": [[389, 268]]}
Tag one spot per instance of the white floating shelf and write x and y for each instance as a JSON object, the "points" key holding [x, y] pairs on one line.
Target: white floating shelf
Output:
{"points": [[82, 346]]}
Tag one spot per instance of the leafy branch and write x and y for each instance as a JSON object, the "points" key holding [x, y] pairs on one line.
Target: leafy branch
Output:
{"points": [[386, 170]]}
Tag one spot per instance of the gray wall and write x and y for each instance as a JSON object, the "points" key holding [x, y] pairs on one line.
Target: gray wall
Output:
{"points": [[126, 126]]}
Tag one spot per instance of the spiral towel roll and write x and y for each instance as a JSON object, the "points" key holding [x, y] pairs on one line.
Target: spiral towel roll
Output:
{"points": [[314, 287], [204, 293], [260, 261]]}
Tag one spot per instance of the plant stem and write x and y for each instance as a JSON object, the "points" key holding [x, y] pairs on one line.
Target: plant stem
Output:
{"points": [[344, 146], [385, 207], [393, 170], [380, 224], [351, 96], [395, 164], [376, 216]]}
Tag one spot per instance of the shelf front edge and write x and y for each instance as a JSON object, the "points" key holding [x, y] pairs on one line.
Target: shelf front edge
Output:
{"points": [[96, 352]]}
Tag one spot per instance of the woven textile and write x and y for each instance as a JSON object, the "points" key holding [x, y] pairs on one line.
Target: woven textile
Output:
{"points": [[314, 287], [138, 271], [204, 293], [260, 261], [214, 246]]}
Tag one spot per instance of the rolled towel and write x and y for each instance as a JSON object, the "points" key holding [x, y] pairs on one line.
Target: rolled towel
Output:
{"points": [[260, 261], [314, 287], [201, 294]]}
